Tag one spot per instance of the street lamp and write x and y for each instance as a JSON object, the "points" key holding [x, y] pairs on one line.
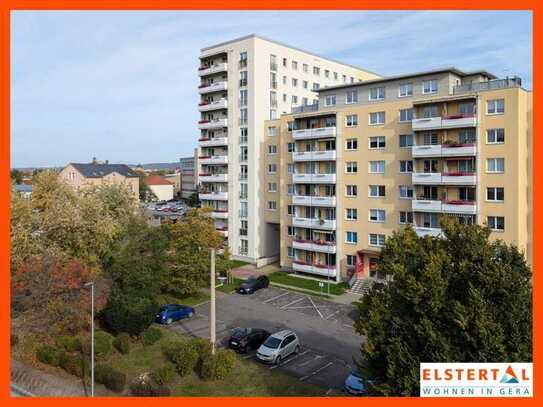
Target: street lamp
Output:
{"points": [[91, 285]]}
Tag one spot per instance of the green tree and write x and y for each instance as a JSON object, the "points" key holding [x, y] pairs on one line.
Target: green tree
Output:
{"points": [[16, 176], [462, 298], [129, 313], [193, 200]]}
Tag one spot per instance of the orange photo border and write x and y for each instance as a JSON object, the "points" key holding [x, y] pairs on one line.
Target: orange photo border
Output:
{"points": [[6, 6]]}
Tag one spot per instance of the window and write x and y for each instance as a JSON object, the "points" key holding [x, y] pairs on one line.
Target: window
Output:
{"points": [[376, 191], [377, 93], [352, 97], [429, 86], [330, 122], [316, 85], [284, 97], [430, 139], [352, 120], [290, 210], [496, 223], [351, 79], [272, 168], [291, 147], [466, 136], [377, 215], [495, 106], [406, 192], [350, 190], [272, 205], [495, 165], [304, 101], [272, 149], [467, 108], [285, 62], [351, 167], [406, 115], [290, 231], [316, 70], [351, 214], [377, 118], [351, 237], [330, 100], [273, 114], [273, 80], [291, 126], [272, 186], [290, 189], [305, 67], [351, 144], [406, 217], [376, 167], [495, 136], [336, 76], [243, 97], [344, 77], [405, 90], [294, 100], [290, 252], [295, 65], [375, 239], [430, 111], [495, 194], [326, 73], [272, 131], [273, 62], [294, 82], [243, 78], [290, 168], [284, 79], [243, 117], [304, 84], [406, 140], [406, 166], [351, 260], [377, 142]]}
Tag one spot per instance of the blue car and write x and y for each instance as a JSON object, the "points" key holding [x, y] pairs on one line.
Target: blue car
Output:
{"points": [[173, 312], [354, 385]]}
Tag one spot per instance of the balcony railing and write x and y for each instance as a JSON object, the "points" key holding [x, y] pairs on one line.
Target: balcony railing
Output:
{"points": [[213, 196], [220, 214], [215, 105], [446, 178], [306, 108], [319, 132], [212, 69], [213, 159], [300, 178], [314, 223], [243, 63], [212, 124], [212, 142], [326, 155], [514, 82], [213, 177], [320, 246], [427, 231], [212, 87], [309, 200], [320, 269], [444, 150], [446, 122], [446, 206]]}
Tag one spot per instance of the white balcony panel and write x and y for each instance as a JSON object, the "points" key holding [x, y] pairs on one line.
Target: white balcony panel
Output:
{"points": [[213, 69], [426, 123], [214, 159], [314, 223], [426, 151], [214, 142], [314, 200], [426, 178], [223, 232], [219, 215], [321, 271], [215, 124], [216, 105], [448, 179], [313, 247], [322, 132], [461, 207], [214, 178], [214, 196], [460, 151], [314, 155], [314, 178], [449, 123], [214, 87], [422, 231], [423, 205]]}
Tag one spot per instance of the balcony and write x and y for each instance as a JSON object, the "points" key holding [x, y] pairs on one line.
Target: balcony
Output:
{"points": [[212, 87], [220, 214], [213, 142], [312, 223], [426, 205], [314, 245], [314, 200], [213, 196], [215, 105], [423, 231], [213, 177], [320, 269], [222, 231], [326, 155], [212, 69], [314, 178], [461, 207], [213, 159], [446, 122], [447, 178], [445, 150], [321, 132], [212, 124]]}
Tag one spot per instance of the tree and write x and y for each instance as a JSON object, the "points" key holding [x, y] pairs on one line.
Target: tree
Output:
{"points": [[462, 298], [130, 313], [16, 176], [193, 200]]}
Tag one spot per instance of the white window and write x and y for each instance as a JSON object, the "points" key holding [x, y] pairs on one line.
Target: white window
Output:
{"points": [[377, 215], [290, 168], [495, 136], [377, 93], [495, 106], [496, 223], [352, 120], [330, 100], [290, 210], [336, 76], [352, 97], [305, 67], [272, 205], [377, 142], [351, 260], [495, 165], [272, 149], [284, 97], [285, 62], [316, 85], [326, 73], [351, 144], [290, 189], [284, 79], [406, 217], [406, 166], [290, 252], [272, 168], [406, 140], [406, 115], [291, 147], [272, 186], [294, 82], [305, 84], [376, 191], [291, 231], [405, 90], [495, 194], [351, 214], [350, 190], [295, 65], [375, 239], [429, 86], [376, 118], [406, 192], [316, 70], [273, 114], [294, 100], [351, 237], [376, 167], [430, 111], [351, 167]]}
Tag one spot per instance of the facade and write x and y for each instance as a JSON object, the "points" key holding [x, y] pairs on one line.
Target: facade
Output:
{"points": [[175, 179], [372, 157], [161, 187], [81, 175], [243, 83], [189, 175]]}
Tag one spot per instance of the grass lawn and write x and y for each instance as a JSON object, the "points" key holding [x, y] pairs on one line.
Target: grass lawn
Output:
{"points": [[281, 277], [237, 263], [228, 288], [190, 301]]}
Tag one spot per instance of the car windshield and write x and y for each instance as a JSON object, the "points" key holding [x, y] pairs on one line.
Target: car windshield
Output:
{"points": [[170, 308], [239, 332], [272, 342], [356, 373], [250, 280]]}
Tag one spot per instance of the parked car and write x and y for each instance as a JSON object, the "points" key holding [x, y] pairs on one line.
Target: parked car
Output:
{"points": [[278, 347], [253, 284], [173, 312], [244, 339], [355, 384]]}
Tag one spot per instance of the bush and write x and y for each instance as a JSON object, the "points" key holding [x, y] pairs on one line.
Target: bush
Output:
{"points": [[122, 343], [102, 343], [14, 339], [68, 343], [48, 355], [146, 386], [110, 377], [164, 374], [129, 313], [76, 365], [217, 366], [151, 336], [183, 354]]}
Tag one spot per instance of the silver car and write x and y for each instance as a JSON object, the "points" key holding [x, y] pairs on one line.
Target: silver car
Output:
{"points": [[278, 347]]}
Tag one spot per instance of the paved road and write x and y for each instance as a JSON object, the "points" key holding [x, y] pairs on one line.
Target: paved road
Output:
{"points": [[329, 343]]}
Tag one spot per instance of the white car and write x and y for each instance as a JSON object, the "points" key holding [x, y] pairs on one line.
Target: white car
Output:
{"points": [[278, 347]]}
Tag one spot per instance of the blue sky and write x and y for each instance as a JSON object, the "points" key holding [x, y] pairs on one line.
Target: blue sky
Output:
{"points": [[123, 85]]}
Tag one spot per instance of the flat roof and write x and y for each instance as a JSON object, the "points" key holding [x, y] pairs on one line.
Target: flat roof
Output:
{"points": [[246, 37]]}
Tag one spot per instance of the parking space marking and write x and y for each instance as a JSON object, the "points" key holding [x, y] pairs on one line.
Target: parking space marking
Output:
{"points": [[316, 371], [316, 357], [331, 315], [274, 298], [247, 356], [314, 306], [288, 360], [293, 302]]}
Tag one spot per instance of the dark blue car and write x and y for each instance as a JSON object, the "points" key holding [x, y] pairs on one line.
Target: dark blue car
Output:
{"points": [[173, 312]]}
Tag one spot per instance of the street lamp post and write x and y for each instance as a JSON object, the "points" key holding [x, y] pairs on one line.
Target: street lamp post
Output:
{"points": [[91, 285], [212, 334]]}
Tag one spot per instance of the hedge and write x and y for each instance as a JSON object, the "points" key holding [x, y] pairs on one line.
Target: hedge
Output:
{"points": [[49, 355], [102, 343], [122, 343], [69, 343], [151, 336], [76, 365], [217, 366], [164, 374], [113, 379]]}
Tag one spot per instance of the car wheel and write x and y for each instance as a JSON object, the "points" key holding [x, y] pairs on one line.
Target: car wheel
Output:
{"points": [[169, 321], [278, 360], [190, 314], [297, 349]]}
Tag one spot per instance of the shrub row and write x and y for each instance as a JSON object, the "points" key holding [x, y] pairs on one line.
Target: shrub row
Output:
{"points": [[110, 377], [147, 386], [122, 343], [151, 336]]}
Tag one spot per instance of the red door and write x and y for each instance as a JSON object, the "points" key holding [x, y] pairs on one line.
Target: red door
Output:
{"points": [[359, 265]]}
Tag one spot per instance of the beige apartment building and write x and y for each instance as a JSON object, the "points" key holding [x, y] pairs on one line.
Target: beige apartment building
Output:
{"points": [[372, 157], [244, 82]]}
